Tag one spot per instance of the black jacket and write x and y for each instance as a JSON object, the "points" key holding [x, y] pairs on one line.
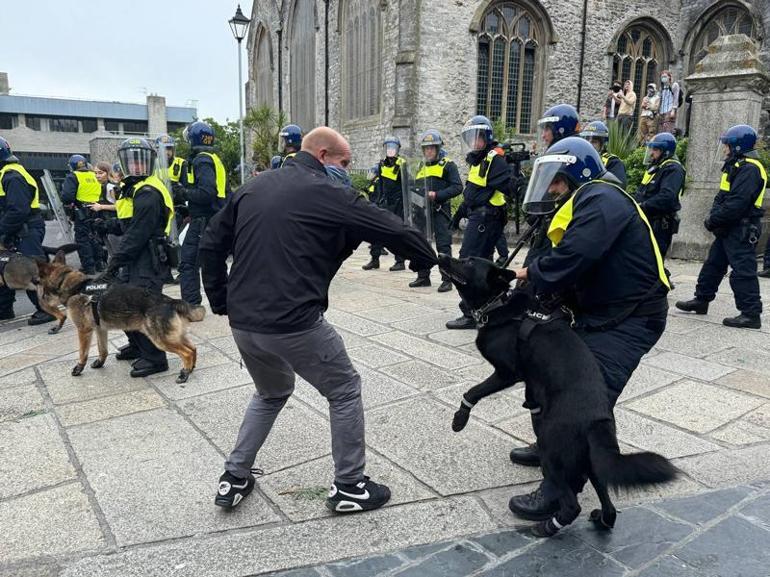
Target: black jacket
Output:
{"points": [[660, 196], [289, 231], [15, 209], [391, 191], [607, 276], [201, 196], [446, 188], [731, 207], [498, 178], [618, 168]]}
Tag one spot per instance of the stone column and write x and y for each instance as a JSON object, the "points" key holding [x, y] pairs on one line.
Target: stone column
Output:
{"points": [[406, 73], [156, 115], [727, 88]]}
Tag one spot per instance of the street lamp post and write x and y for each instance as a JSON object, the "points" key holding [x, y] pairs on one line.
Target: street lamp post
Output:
{"points": [[239, 24]]}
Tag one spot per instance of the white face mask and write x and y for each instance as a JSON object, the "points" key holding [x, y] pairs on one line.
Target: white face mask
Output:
{"points": [[664, 79]]}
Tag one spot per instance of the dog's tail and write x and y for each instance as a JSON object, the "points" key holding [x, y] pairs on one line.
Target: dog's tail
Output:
{"points": [[614, 469], [193, 313]]}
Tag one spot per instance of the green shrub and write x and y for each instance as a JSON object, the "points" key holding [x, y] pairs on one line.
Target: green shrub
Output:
{"points": [[621, 142], [635, 169], [360, 182], [681, 151]]}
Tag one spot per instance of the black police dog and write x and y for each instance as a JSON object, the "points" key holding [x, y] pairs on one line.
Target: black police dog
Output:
{"points": [[577, 438]]}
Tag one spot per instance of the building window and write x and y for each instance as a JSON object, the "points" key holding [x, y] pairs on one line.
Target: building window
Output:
{"points": [[134, 127], [63, 125], [509, 83], [9, 121], [264, 77], [638, 56], [731, 19], [303, 54], [362, 33], [112, 126], [33, 122], [89, 124]]}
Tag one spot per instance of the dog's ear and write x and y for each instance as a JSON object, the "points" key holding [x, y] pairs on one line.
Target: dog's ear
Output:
{"points": [[508, 275], [60, 258]]}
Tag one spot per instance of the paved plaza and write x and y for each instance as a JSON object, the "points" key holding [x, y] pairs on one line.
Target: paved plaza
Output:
{"points": [[104, 475]]}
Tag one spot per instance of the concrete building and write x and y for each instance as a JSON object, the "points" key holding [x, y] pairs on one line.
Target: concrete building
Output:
{"points": [[44, 132], [374, 67]]}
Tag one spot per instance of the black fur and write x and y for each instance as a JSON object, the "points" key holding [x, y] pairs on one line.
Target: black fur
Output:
{"points": [[577, 437]]}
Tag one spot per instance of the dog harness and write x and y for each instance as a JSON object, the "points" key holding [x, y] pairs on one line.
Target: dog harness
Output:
{"points": [[94, 291]]}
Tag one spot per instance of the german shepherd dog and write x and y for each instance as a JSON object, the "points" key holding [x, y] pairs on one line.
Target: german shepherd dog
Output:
{"points": [[577, 437], [116, 307], [19, 272]]}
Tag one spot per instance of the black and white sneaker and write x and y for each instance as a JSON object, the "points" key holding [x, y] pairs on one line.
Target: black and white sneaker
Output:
{"points": [[232, 490], [362, 496]]}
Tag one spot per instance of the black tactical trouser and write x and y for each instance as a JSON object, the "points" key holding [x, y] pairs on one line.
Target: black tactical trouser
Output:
{"points": [[443, 237], [189, 265], [663, 230], [397, 208], [735, 250], [89, 247], [485, 225], [145, 273]]}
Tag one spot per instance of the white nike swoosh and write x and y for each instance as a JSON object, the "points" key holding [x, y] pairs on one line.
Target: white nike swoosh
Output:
{"points": [[362, 496], [246, 484]]}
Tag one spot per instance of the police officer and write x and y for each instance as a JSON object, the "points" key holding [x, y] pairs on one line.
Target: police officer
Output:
{"points": [[661, 187], [205, 195], [21, 225], [735, 222], [177, 176], [145, 210], [439, 178], [617, 286], [79, 190], [289, 141], [483, 199], [598, 134], [390, 195]]}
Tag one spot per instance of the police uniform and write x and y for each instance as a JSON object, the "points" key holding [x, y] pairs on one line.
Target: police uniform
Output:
{"points": [[390, 196], [616, 166], [735, 221], [443, 178], [80, 189], [145, 211], [287, 157], [21, 225], [658, 195], [205, 195], [177, 175]]}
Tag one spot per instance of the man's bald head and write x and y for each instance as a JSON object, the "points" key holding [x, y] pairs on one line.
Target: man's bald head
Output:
{"points": [[328, 146]]}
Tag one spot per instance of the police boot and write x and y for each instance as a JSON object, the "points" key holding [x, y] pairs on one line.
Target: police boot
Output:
{"points": [[528, 456], [695, 305], [445, 286], [398, 266], [144, 368], [533, 506], [372, 264], [127, 353], [420, 281], [7, 315], [765, 273], [743, 321], [462, 322], [40, 317]]}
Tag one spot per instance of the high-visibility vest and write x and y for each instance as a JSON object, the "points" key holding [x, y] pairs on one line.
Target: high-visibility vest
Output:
{"points": [[392, 172], [287, 157], [475, 176], [563, 217], [125, 205], [175, 169], [606, 157], [14, 167], [725, 184], [653, 170], [221, 174], [433, 170], [89, 189]]}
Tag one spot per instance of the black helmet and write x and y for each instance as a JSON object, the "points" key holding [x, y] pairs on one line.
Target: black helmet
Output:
{"points": [[137, 157]]}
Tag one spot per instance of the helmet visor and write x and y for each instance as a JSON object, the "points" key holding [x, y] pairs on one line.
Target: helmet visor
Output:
{"points": [[546, 132], [721, 152], [136, 161], [547, 184], [474, 137], [391, 149], [283, 141]]}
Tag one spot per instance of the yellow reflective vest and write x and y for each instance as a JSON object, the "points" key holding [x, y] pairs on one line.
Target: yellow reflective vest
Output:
{"points": [[434, 170], [475, 176], [650, 173], [287, 157], [175, 170], [89, 189], [14, 167], [221, 174], [392, 172], [124, 206], [561, 221], [725, 184]]}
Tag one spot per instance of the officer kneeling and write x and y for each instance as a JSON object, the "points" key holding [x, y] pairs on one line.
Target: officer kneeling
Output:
{"points": [[735, 222], [145, 211], [617, 287]]}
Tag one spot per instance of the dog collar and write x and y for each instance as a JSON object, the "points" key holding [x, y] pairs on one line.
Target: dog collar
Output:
{"points": [[481, 315]]}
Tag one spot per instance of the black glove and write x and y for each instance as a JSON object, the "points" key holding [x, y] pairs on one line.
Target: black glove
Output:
{"points": [[218, 309]]}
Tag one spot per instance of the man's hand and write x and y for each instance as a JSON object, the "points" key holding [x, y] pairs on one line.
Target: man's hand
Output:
{"points": [[432, 194], [219, 309], [521, 274]]}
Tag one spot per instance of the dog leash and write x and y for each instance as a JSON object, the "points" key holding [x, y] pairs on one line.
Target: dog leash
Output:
{"points": [[522, 241]]}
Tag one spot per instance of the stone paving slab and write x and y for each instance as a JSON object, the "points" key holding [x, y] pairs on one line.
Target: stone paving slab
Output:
{"points": [[649, 435], [92, 384], [376, 356], [21, 401], [422, 375], [703, 370], [748, 382], [354, 324], [33, 456], [108, 407], [395, 313], [438, 355], [744, 358], [646, 379], [205, 380], [492, 409], [52, 522], [23, 377], [728, 467], [155, 478]]}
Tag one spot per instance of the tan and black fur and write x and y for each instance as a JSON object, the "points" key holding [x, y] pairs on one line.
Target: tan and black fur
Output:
{"points": [[21, 272], [121, 307]]}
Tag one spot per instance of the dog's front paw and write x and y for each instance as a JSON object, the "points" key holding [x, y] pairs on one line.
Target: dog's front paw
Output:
{"points": [[97, 364], [54, 330], [77, 370], [545, 529], [601, 522], [461, 419], [184, 374]]}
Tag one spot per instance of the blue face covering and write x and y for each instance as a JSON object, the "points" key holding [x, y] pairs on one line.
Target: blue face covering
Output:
{"points": [[338, 174]]}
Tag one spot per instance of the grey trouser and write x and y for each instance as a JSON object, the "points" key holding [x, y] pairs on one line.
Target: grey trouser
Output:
{"points": [[317, 355]]}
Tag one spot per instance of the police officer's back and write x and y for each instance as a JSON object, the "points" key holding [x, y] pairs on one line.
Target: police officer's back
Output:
{"points": [[79, 190], [21, 225], [177, 168], [145, 210], [734, 220], [206, 193], [289, 142], [598, 135], [661, 188]]}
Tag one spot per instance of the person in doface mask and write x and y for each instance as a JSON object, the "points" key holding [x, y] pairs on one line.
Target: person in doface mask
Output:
{"points": [[669, 102], [648, 117]]}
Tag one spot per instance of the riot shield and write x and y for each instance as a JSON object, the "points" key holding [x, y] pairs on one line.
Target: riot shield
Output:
{"points": [[417, 206], [57, 207], [161, 171]]}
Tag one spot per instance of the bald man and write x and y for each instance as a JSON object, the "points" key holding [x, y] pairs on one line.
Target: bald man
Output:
{"points": [[289, 232]]}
